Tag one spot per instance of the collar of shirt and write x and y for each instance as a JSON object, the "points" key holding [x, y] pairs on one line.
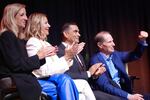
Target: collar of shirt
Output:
{"points": [[65, 44], [105, 57], [113, 71], [144, 43]]}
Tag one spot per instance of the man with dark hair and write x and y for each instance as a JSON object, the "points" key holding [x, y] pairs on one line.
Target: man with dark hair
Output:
{"points": [[70, 35]]}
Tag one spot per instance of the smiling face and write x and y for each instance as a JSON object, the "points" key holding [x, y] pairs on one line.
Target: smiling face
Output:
{"points": [[21, 18], [44, 27], [72, 34], [107, 45]]}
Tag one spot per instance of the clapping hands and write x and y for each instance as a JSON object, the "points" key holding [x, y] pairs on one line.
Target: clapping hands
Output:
{"points": [[47, 51], [73, 49]]}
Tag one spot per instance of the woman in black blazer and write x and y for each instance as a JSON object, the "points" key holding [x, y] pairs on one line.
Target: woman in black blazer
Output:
{"points": [[14, 61]]}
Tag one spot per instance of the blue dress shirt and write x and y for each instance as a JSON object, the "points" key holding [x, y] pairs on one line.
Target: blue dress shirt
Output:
{"points": [[113, 71]]}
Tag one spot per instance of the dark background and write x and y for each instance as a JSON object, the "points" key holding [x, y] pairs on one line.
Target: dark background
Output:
{"points": [[123, 18]]}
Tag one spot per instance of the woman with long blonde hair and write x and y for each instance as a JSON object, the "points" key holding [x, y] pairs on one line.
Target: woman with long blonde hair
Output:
{"points": [[14, 61], [55, 83]]}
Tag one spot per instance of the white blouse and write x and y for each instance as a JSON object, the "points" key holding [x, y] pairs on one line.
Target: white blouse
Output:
{"points": [[53, 65]]}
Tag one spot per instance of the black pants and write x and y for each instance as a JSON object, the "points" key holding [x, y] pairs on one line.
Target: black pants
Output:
{"points": [[105, 96], [146, 96]]}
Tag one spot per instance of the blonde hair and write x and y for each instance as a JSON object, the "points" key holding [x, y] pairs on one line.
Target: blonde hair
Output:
{"points": [[8, 21], [33, 27]]}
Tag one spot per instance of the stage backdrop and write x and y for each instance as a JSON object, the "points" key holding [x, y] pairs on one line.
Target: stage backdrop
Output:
{"points": [[123, 18]]}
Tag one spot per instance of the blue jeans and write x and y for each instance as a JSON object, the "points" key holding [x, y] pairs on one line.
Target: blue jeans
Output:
{"points": [[59, 86]]}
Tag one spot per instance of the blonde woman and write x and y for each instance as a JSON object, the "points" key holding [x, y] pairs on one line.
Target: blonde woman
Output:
{"points": [[14, 61], [55, 84]]}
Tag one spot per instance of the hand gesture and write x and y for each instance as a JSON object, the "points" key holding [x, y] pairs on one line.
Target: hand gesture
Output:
{"points": [[135, 97], [71, 51], [143, 35], [46, 51], [97, 69], [100, 70], [80, 47]]}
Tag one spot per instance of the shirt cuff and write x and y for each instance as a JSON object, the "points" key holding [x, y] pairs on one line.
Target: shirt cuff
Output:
{"points": [[128, 95], [89, 74], [144, 43]]}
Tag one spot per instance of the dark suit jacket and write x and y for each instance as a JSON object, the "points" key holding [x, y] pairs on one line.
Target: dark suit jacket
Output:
{"points": [[15, 63], [105, 82], [75, 71]]}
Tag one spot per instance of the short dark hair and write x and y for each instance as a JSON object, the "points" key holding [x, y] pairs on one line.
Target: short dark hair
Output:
{"points": [[66, 26]]}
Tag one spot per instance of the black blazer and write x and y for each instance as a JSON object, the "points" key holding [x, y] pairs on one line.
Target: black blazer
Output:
{"points": [[75, 71], [15, 63]]}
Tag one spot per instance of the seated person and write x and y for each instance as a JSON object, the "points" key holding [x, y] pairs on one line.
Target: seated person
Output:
{"points": [[51, 79], [79, 71], [14, 61], [115, 80]]}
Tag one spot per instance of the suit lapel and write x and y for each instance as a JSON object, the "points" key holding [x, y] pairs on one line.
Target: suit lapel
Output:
{"points": [[82, 61], [119, 65], [62, 48], [101, 59]]}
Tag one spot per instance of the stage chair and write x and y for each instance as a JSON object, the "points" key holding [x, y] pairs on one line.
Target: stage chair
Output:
{"points": [[132, 78], [8, 90]]}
